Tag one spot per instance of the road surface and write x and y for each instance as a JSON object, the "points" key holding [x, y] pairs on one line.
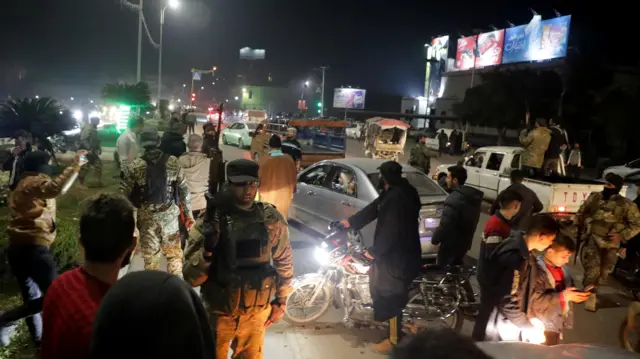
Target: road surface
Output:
{"points": [[329, 338]]}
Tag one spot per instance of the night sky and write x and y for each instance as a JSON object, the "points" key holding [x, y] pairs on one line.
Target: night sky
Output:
{"points": [[376, 45]]}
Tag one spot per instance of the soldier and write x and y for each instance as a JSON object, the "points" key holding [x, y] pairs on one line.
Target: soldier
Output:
{"points": [[420, 158], [153, 182], [604, 220], [232, 260], [90, 141], [535, 143]]}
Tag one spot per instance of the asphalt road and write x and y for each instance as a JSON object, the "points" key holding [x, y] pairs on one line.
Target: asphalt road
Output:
{"points": [[329, 338]]}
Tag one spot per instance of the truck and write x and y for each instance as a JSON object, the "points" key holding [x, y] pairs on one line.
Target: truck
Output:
{"points": [[488, 170]]}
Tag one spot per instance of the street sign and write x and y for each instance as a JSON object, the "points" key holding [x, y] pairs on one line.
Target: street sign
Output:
{"points": [[197, 76]]}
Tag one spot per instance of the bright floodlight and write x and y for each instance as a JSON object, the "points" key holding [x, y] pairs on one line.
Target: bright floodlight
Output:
{"points": [[72, 99], [37, 97], [306, 83], [171, 107], [174, 4], [244, 89], [236, 98], [77, 114]]}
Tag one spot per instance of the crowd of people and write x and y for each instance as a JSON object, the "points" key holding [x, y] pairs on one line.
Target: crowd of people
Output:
{"points": [[236, 248]]}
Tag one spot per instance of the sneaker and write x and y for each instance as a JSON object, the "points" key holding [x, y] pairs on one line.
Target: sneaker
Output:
{"points": [[384, 347], [591, 303]]}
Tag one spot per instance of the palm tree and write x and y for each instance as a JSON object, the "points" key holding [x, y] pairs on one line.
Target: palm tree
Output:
{"points": [[41, 117]]}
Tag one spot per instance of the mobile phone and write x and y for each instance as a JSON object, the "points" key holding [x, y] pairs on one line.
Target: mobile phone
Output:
{"points": [[83, 158], [586, 290]]}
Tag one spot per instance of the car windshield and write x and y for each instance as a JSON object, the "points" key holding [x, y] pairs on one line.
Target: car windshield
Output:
{"points": [[252, 126], [422, 183]]}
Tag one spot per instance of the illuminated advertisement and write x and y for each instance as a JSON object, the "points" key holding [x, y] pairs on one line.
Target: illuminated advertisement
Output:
{"points": [[437, 55], [489, 48], [465, 56], [555, 36], [349, 98], [539, 40]]}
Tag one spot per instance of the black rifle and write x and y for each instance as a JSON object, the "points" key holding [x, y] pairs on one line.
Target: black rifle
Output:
{"points": [[217, 165]]}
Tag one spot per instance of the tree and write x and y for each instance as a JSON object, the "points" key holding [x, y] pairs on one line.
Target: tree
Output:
{"points": [[505, 97], [133, 95], [42, 118]]}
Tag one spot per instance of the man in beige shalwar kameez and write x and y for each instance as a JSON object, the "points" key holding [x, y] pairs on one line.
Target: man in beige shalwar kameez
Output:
{"points": [[277, 177]]}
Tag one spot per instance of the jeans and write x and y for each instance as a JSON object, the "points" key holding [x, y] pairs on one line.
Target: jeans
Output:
{"points": [[35, 270]]}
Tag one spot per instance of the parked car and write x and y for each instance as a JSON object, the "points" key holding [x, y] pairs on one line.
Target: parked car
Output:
{"points": [[432, 141], [238, 134], [489, 167], [623, 170], [333, 190], [355, 130]]}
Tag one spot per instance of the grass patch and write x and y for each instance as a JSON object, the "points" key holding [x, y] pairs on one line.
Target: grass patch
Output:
{"points": [[65, 250]]}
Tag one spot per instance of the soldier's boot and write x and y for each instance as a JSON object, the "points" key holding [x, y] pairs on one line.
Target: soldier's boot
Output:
{"points": [[591, 303], [385, 347], [99, 177], [81, 184]]}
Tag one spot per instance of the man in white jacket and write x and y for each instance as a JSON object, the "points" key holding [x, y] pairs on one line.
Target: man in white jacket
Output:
{"points": [[195, 165], [127, 147]]}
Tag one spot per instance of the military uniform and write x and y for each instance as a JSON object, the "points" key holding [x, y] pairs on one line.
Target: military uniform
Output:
{"points": [[238, 277], [157, 221], [535, 143], [90, 141], [420, 158], [597, 219]]}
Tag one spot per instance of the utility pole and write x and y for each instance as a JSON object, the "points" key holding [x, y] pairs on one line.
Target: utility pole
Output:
{"points": [[139, 70], [323, 68]]}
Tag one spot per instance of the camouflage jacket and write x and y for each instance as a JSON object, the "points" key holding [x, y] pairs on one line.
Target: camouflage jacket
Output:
{"points": [[599, 218], [89, 139], [32, 206], [420, 158], [280, 248], [535, 143], [136, 176]]}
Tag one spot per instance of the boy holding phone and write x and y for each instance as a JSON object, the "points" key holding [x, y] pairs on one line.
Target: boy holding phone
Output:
{"points": [[554, 293]]}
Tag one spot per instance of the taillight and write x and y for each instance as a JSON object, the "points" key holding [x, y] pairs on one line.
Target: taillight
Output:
{"points": [[560, 209]]}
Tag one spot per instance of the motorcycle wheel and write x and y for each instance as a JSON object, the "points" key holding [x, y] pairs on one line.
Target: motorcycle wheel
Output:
{"points": [[456, 318], [308, 287]]}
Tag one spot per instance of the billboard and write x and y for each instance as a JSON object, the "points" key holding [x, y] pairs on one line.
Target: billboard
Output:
{"points": [[539, 40], [489, 48], [349, 98], [247, 53], [465, 56], [437, 55], [555, 36]]}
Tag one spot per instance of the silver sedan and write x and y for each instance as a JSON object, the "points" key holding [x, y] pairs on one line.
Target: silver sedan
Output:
{"points": [[334, 190]]}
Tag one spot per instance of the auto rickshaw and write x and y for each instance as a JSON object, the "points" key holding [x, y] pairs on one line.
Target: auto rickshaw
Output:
{"points": [[385, 138]]}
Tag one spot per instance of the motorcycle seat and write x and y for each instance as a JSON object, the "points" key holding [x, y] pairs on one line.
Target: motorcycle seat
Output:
{"points": [[453, 269]]}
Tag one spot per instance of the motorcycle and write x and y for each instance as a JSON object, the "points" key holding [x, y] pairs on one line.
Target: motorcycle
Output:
{"points": [[437, 295]]}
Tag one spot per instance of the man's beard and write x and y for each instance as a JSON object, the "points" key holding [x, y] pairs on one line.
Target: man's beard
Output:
{"points": [[608, 192], [126, 260]]}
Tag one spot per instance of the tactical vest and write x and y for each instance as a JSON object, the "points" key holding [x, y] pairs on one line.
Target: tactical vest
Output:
{"points": [[241, 277], [156, 190], [607, 217]]}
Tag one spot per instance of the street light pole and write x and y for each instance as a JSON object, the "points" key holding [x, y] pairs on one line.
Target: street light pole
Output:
{"points": [[138, 73], [323, 68], [160, 53]]}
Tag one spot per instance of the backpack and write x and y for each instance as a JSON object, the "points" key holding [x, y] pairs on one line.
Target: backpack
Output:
{"points": [[155, 190]]}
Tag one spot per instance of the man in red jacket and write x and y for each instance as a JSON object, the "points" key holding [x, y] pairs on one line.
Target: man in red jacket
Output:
{"points": [[498, 227]]}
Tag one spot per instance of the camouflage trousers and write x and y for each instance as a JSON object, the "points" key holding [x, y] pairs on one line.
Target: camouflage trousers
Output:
{"points": [[598, 262], [243, 334], [93, 162], [159, 233]]}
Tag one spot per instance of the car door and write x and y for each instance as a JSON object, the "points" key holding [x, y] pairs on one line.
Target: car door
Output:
{"points": [[310, 200], [230, 133], [490, 175], [240, 131], [473, 167]]}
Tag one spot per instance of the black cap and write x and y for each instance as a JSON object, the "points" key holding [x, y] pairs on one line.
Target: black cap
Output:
{"points": [[275, 141], [391, 169], [34, 161], [242, 170], [614, 179]]}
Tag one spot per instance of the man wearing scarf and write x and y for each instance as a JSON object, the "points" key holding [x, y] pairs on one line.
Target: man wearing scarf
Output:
{"points": [[31, 231], [396, 248], [604, 220]]}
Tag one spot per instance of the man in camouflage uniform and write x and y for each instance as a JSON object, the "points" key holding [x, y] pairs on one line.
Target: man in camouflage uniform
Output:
{"points": [[90, 141], [156, 185], [604, 220], [230, 255], [535, 143], [420, 158]]}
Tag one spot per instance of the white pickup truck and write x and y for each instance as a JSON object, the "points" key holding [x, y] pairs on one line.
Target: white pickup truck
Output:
{"points": [[489, 167]]}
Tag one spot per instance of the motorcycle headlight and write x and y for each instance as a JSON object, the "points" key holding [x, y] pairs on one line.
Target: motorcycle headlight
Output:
{"points": [[322, 255]]}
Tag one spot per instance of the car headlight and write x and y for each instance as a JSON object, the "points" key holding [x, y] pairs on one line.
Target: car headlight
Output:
{"points": [[322, 255]]}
